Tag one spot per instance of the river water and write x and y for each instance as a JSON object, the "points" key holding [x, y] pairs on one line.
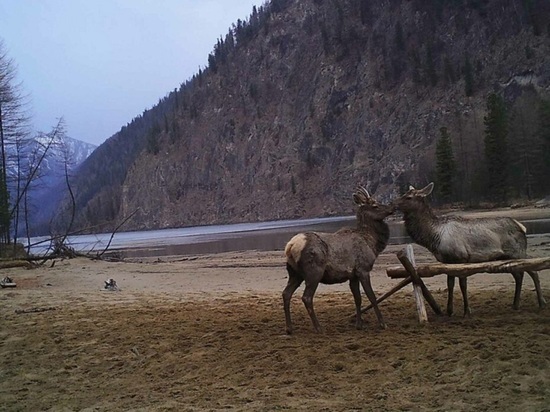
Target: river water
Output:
{"points": [[227, 238]]}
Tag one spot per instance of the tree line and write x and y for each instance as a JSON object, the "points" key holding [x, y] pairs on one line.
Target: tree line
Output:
{"points": [[515, 161]]}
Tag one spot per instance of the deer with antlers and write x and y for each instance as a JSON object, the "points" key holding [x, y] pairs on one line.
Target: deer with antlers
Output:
{"points": [[454, 239], [346, 255]]}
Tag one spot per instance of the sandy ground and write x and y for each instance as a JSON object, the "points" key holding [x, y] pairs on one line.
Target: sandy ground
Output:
{"points": [[207, 333]]}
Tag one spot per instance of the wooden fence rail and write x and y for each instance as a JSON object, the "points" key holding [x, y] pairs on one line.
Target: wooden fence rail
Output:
{"points": [[410, 273], [463, 270]]}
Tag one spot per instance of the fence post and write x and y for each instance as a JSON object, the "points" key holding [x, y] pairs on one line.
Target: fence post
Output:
{"points": [[406, 257]]}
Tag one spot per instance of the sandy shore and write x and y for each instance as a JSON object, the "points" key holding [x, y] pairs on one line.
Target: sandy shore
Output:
{"points": [[207, 333]]}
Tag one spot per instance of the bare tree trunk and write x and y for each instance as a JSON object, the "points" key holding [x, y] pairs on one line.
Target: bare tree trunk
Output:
{"points": [[27, 228], [18, 191], [5, 235], [2, 146], [71, 194]]}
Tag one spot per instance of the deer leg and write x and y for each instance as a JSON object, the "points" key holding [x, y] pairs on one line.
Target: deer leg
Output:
{"points": [[450, 290], [354, 286], [463, 283], [518, 277], [365, 281], [536, 281], [294, 281], [307, 298]]}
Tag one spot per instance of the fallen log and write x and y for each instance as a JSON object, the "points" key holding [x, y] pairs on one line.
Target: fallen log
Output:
{"points": [[463, 270], [35, 310], [7, 264]]}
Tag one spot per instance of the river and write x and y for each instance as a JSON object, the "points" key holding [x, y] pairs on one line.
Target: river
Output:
{"points": [[271, 235]]}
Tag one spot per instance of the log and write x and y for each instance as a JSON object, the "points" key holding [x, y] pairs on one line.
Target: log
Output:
{"points": [[406, 256], [468, 269], [7, 264], [386, 295], [7, 282]]}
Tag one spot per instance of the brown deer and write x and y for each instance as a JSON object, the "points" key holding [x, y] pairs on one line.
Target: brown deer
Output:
{"points": [[329, 258], [454, 239]]}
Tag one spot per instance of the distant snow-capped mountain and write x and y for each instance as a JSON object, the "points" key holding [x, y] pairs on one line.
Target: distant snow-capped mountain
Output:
{"points": [[59, 151], [48, 157]]}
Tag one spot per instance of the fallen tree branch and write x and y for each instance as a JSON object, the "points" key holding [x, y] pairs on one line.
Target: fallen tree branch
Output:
{"points": [[7, 264], [34, 310], [99, 255], [63, 251]]}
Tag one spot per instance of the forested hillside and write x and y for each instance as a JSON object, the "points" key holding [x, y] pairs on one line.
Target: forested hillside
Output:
{"points": [[304, 100]]}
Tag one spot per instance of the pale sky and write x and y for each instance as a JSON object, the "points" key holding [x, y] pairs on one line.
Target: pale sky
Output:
{"points": [[100, 63]]}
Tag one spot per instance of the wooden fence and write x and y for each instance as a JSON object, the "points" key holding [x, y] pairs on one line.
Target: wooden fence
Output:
{"points": [[410, 273]]}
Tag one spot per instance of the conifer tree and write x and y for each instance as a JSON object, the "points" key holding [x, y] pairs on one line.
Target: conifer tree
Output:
{"points": [[431, 72], [153, 145], [544, 134], [468, 77], [445, 165], [526, 148], [496, 132], [399, 37]]}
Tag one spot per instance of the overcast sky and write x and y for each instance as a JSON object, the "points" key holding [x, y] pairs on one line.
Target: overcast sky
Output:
{"points": [[100, 63]]}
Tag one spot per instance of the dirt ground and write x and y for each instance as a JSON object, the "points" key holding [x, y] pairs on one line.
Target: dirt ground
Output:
{"points": [[207, 333]]}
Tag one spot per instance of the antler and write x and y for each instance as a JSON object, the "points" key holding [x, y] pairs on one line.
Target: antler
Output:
{"points": [[365, 191], [361, 196]]}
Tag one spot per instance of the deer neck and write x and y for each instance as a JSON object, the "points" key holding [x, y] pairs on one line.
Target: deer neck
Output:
{"points": [[376, 233], [421, 227]]}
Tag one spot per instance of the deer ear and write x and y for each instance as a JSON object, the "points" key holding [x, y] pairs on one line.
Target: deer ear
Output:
{"points": [[427, 190], [357, 199]]}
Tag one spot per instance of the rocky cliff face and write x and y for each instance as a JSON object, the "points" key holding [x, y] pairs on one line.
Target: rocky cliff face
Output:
{"points": [[320, 96]]}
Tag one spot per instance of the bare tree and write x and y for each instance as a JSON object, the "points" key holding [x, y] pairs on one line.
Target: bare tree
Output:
{"points": [[47, 141], [14, 123], [30, 173], [66, 155]]}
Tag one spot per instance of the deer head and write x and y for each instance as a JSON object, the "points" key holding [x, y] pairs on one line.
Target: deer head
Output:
{"points": [[414, 199], [368, 206]]}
